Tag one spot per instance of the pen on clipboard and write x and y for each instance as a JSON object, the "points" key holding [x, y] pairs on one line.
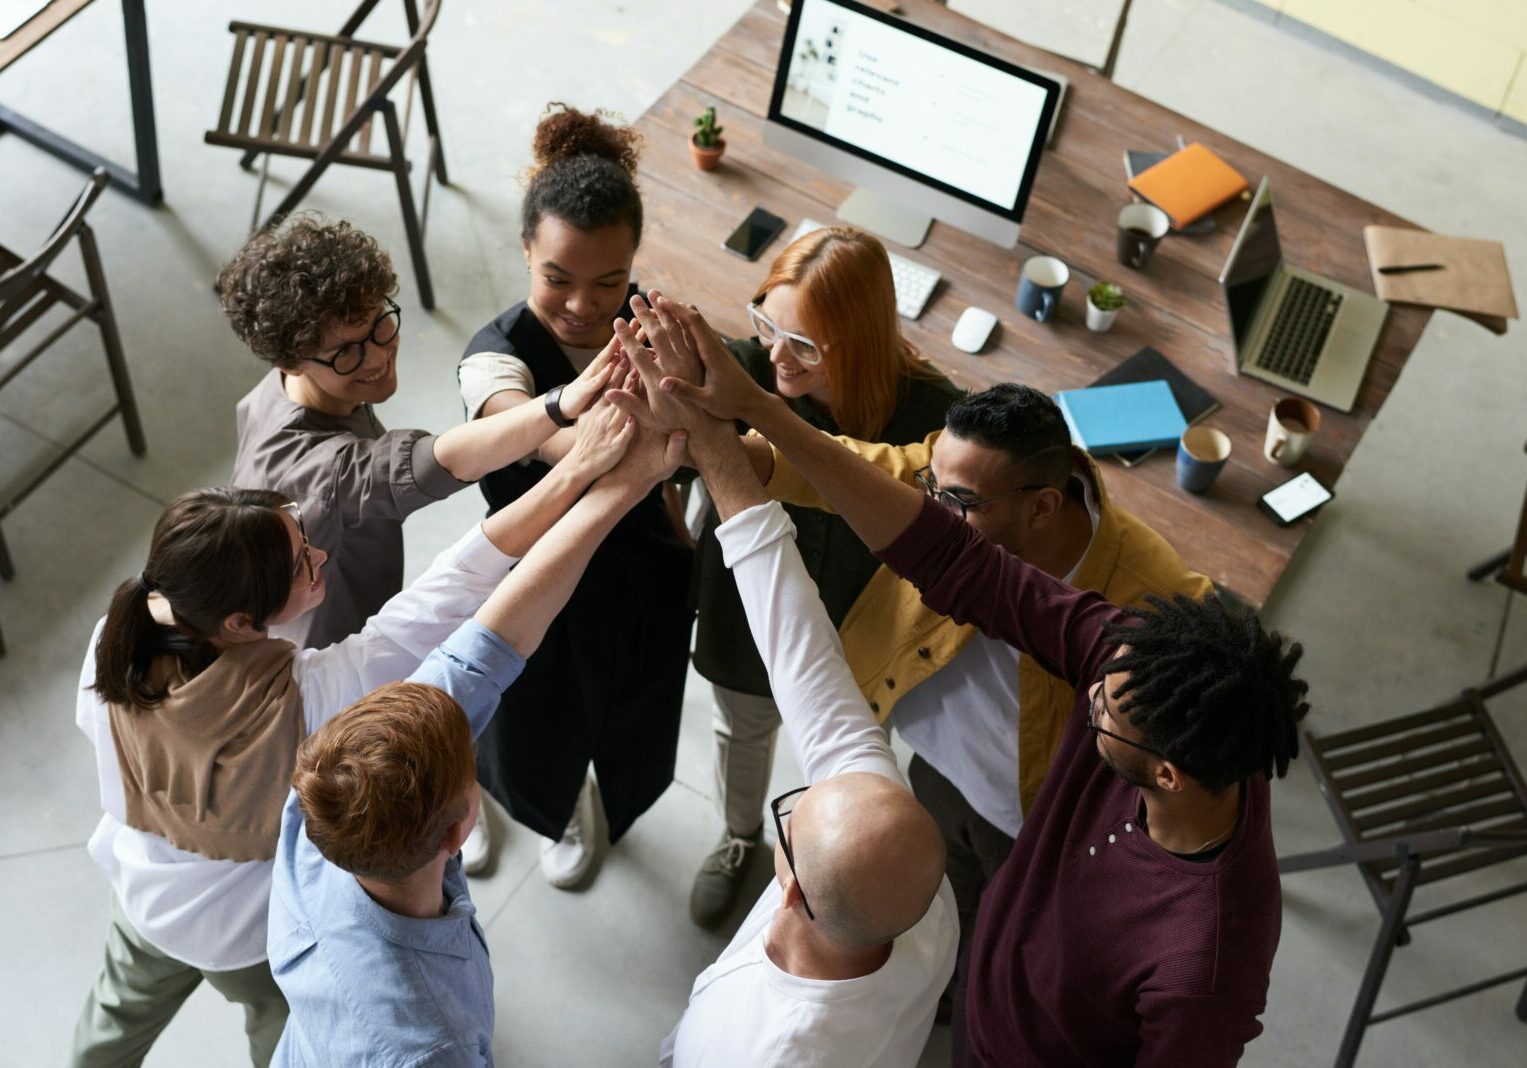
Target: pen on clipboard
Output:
{"points": [[1411, 268]]}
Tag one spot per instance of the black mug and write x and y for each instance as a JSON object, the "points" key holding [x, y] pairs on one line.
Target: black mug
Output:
{"points": [[1141, 226]]}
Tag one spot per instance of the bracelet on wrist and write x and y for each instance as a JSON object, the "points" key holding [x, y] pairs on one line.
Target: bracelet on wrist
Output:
{"points": [[554, 407]]}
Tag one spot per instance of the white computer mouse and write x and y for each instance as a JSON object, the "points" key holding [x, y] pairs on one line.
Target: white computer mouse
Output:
{"points": [[974, 327]]}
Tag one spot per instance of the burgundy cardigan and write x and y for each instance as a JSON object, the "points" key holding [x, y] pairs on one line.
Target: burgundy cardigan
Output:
{"points": [[1093, 945]]}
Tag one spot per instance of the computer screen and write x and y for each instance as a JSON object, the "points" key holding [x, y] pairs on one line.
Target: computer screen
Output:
{"points": [[1253, 260], [904, 98]]}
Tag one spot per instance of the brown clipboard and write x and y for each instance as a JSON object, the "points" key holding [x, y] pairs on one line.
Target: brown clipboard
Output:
{"points": [[1472, 279]]}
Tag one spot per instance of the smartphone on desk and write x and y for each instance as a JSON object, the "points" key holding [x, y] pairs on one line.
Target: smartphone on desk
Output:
{"points": [[1295, 499], [754, 233]]}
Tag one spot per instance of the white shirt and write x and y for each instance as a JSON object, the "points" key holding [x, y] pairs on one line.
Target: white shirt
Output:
{"points": [[963, 719], [211, 913], [744, 1011]]}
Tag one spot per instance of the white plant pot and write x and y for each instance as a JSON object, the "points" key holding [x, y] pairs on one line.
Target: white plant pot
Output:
{"points": [[1099, 320]]}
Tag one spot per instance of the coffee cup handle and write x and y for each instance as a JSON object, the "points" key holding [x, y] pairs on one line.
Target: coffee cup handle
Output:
{"points": [[1138, 259], [1046, 307], [1277, 447]]}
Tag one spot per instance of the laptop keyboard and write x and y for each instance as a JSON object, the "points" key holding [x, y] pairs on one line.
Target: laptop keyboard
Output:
{"points": [[1299, 331]]}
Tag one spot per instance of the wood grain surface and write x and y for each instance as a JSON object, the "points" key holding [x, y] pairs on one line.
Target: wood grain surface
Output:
{"points": [[1176, 304]]}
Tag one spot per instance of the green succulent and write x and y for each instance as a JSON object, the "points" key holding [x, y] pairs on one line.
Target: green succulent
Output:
{"points": [[707, 133], [1106, 296]]}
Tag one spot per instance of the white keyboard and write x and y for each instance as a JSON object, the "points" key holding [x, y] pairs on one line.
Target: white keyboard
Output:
{"points": [[914, 282]]}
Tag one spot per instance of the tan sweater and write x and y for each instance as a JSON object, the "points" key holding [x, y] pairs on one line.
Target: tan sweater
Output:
{"points": [[209, 767]]}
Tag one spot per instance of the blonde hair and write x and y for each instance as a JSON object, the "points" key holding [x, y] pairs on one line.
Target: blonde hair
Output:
{"points": [[846, 302]]}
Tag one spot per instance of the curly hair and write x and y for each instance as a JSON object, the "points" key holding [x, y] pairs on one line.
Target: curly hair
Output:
{"points": [[584, 173], [292, 281], [1210, 689]]}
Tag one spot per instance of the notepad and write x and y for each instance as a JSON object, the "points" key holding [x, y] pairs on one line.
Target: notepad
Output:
{"points": [[1189, 184], [1193, 400], [1109, 419]]}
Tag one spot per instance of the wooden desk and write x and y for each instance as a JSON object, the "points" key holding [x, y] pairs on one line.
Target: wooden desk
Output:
{"points": [[142, 185], [1176, 304]]}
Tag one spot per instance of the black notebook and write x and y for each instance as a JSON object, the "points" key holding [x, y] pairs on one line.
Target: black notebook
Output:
{"points": [[1148, 365]]}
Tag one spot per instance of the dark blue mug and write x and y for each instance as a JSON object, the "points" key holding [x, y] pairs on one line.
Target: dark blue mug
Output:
{"points": [[1201, 456], [1039, 288]]}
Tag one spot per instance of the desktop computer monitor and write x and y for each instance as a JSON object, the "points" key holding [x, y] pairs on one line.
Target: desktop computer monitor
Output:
{"points": [[923, 125]]}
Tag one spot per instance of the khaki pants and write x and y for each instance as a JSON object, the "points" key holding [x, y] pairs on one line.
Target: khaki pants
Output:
{"points": [[140, 989], [745, 727]]}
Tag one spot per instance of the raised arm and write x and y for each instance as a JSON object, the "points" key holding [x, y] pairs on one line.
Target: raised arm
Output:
{"points": [[784, 483], [826, 717], [513, 429]]}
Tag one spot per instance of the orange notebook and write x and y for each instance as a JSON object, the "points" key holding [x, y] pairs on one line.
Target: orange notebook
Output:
{"points": [[1189, 184]]}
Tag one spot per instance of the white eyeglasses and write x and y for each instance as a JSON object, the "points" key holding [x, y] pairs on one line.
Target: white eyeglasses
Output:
{"points": [[801, 347]]}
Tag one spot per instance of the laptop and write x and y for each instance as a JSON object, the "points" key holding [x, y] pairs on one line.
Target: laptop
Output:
{"points": [[1291, 327]]}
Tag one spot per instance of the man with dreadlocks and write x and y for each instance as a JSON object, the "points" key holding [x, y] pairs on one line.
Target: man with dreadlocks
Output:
{"points": [[1136, 919]]}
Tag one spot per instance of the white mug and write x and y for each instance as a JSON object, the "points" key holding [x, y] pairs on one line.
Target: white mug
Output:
{"points": [[1291, 426]]}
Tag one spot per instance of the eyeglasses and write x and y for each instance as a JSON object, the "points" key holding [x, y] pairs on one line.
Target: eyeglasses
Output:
{"points": [[305, 557], [1099, 699], [347, 359], [784, 842], [956, 503], [801, 347]]}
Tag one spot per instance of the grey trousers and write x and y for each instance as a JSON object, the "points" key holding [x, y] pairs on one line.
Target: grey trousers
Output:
{"points": [[746, 727], [139, 990]]}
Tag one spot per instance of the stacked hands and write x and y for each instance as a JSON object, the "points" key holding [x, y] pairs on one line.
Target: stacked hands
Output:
{"points": [[681, 382]]}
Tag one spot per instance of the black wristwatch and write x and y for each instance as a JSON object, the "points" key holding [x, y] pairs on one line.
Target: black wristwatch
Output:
{"points": [[554, 407]]}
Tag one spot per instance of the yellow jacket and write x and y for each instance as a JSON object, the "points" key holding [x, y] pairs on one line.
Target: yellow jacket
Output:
{"points": [[893, 642]]}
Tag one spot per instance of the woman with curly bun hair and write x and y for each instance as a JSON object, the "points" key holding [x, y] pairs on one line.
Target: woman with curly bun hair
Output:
{"points": [[581, 223], [314, 299]]}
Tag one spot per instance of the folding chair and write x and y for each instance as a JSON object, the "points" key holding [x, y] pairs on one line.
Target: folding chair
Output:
{"points": [[320, 98], [27, 293], [1420, 799]]}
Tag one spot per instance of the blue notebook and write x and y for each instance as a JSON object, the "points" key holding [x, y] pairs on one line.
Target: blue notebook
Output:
{"points": [[1109, 419]]}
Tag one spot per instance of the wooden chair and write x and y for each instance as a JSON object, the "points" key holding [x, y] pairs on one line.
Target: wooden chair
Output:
{"points": [[1420, 799], [321, 98], [27, 293]]}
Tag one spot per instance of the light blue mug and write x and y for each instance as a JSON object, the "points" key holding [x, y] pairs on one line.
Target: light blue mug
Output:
{"points": [[1039, 288]]}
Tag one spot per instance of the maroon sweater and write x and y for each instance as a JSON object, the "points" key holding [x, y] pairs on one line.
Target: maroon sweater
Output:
{"points": [[1094, 946]]}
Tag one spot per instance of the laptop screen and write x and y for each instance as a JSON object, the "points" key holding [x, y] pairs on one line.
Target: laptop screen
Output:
{"points": [[1253, 260]]}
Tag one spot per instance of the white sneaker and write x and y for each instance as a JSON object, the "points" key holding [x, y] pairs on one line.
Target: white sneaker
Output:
{"points": [[566, 862], [475, 850]]}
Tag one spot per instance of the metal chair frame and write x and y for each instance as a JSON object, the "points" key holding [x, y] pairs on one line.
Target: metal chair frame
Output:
{"points": [[276, 115], [27, 293], [1419, 799]]}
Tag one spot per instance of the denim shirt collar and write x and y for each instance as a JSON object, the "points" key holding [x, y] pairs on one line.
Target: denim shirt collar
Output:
{"points": [[450, 934]]}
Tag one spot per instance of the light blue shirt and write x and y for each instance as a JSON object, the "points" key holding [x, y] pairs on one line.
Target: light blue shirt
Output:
{"points": [[365, 985]]}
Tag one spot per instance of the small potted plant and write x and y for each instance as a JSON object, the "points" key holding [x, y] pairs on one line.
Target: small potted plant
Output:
{"points": [[1103, 303], [706, 144]]}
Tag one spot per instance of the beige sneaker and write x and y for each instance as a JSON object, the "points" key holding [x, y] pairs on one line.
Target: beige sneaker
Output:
{"points": [[719, 881], [567, 861]]}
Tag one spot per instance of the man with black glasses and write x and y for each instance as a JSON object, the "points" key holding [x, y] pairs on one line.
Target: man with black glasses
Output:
{"points": [[842, 959], [1136, 920], [983, 719]]}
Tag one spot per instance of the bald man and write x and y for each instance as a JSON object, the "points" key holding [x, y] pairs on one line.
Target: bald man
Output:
{"points": [[842, 959]]}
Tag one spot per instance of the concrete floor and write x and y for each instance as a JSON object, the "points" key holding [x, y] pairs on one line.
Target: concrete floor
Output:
{"points": [[1376, 593]]}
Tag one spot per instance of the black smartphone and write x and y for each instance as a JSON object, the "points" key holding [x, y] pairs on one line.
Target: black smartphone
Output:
{"points": [[1295, 499], [754, 233]]}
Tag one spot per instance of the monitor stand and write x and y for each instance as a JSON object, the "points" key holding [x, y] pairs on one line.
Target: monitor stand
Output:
{"points": [[885, 218]]}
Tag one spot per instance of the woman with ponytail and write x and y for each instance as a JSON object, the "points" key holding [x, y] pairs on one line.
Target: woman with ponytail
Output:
{"points": [[581, 224], [196, 713]]}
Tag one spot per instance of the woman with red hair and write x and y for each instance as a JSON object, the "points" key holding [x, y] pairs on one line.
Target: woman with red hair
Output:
{"points": [[828, 342]]}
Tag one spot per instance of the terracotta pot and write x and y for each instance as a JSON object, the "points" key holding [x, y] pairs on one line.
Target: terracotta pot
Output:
{"points": [[706, 158]]}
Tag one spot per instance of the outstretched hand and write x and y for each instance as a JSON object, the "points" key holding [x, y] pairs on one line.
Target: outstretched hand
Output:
{"points": [[724, 390], [607, 368], [604, 435]]}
